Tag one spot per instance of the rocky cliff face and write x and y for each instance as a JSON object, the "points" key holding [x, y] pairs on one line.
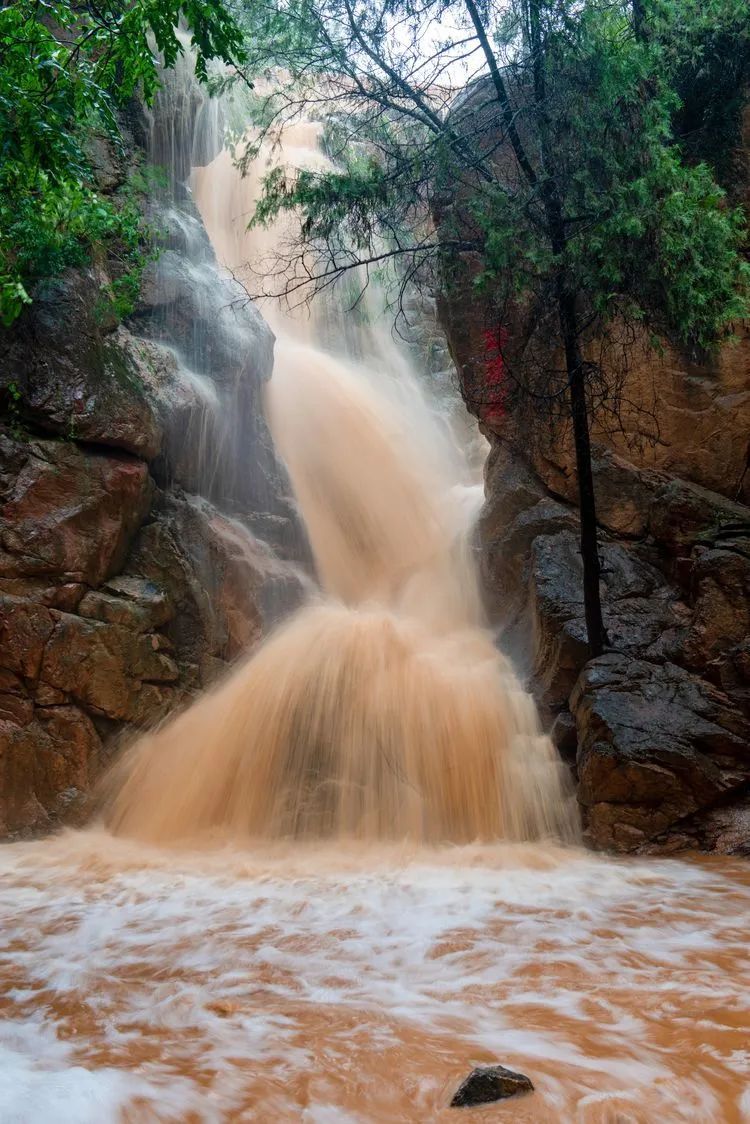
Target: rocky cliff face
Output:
{"points": [[657, 730], [146, 534]]}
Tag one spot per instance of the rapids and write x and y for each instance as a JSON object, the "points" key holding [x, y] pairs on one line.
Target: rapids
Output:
{"points": [[359, 985]]}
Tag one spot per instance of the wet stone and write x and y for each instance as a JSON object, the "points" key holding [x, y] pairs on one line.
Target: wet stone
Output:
{"points": [[488, 1083]]}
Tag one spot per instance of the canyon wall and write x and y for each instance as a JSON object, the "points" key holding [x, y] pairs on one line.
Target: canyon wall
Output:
{"points": [[146, 532], [656, 730]]}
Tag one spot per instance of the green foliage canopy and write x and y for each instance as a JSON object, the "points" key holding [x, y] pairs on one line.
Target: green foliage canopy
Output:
{"points": [[65, 68], [599, 112]]}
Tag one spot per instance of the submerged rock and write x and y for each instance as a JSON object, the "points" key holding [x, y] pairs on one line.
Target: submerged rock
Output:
{"points": [[488, 1083]]}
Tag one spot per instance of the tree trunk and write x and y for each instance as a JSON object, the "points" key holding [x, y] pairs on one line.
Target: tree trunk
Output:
{"points": [[592, 601], [639, 19]]}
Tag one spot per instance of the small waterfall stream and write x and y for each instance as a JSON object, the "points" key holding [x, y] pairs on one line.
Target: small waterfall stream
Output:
{"points": [[371, 882], [221, 348]]}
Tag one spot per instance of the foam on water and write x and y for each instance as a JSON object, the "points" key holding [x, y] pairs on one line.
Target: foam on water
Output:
{"points": [[306, 983]]}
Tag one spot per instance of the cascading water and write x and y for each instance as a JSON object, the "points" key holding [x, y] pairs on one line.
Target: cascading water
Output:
{"points": [[383, 710], [218, 445], [348, 981]]}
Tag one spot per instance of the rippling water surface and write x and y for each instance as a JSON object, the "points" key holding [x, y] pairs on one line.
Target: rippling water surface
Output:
{"points": [[356, 985]]}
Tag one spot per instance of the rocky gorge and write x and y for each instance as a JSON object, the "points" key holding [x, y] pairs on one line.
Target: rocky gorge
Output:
{"points": [[147, 534]]}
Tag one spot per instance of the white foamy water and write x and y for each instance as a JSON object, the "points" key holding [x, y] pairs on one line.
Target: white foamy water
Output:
{"points": [[353, 985]]}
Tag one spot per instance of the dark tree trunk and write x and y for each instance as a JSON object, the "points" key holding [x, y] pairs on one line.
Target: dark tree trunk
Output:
{"points": [[639, 19], [576, 371], [592, 602]]}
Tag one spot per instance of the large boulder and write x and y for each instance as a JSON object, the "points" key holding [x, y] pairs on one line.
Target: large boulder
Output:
{"points": [[721, 595], [641, 613], [227, 587], [682, 515], [656, 744], [625, 494], [656, 731]]}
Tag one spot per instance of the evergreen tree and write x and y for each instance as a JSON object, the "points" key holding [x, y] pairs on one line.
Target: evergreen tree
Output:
{"points": [[567, 155]]}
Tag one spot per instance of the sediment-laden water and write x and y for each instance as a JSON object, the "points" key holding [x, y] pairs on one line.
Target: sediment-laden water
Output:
{"points": [[309, 983], [290, 917]]}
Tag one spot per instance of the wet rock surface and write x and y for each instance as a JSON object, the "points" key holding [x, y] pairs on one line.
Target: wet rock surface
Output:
{"points": [[66, 368], [489, 1083], [656, 743], [657, 729], [672, 484], [123, 589], [68, 511]]}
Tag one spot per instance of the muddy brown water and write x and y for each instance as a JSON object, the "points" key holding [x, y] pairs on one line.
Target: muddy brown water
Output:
{"points": [[353, 984]]}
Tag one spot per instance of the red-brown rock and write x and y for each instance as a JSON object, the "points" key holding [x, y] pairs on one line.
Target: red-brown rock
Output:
{"points": [[46, 767], [25, 628], [70, 512], [109, 669]]}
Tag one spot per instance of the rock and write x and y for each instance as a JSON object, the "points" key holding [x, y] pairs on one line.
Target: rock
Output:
{"points": [[638, 609], [724, 829], [65, 596], [25, 629], [564, 735], [70, 370], [511, 488], [555, 600], [69, 512], [656, 744], [44, 762], [721, 621], [16, 709], [106, 163], [217, 443], [109, 669], [682, 515], [624, 493], [507, 545], [179, 123], [224, 584], [208, 317], [516, 511], [129, 601], [661, 752], [489, 1083]]}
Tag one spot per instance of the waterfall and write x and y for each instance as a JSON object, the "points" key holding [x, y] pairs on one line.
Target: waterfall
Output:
{"points": [[383, 707], [322, 964]]}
